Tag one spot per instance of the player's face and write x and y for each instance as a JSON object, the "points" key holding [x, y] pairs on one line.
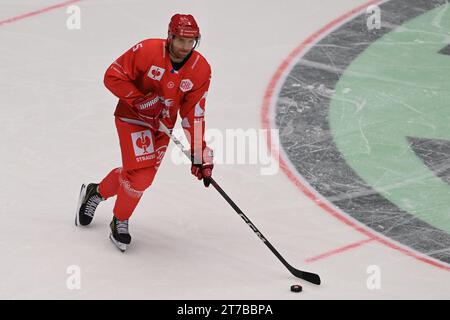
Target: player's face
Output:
{"points": [[180, 48]]}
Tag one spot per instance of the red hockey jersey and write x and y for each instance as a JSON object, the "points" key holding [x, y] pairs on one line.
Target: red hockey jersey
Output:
{"points": [[147, 68]]}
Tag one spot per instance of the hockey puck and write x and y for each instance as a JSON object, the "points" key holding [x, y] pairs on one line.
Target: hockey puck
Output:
{"points": [[296, 288]]}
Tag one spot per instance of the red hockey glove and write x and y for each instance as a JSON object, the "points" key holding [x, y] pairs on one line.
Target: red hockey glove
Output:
{"points": [[149, 109], [204, 170]]}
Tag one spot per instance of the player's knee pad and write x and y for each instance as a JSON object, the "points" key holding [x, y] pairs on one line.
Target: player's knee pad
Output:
{"points": [[140, 179]]}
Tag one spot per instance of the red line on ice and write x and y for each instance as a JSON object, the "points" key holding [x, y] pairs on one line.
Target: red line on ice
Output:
{"points": [[291, 175], [339, 250], [34, 13]]}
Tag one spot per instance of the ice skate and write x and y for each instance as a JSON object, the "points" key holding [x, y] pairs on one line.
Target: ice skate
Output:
{"points": [[119, 233], [87, 203]]}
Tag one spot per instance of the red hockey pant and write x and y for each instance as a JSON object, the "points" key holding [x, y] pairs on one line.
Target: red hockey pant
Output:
{"points": [[142, 153]]}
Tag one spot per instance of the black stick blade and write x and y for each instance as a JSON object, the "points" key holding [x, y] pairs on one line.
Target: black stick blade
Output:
{"points": [[307, 276]]}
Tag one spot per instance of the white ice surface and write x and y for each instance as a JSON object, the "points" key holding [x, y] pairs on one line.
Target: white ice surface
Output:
{"points": [[58, 131]]}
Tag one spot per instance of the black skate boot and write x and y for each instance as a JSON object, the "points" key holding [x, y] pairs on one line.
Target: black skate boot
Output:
{"points": [[87, 203], [119, 233]]}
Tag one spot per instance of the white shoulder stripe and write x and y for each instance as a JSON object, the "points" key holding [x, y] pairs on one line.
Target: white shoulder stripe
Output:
{"points": [[195, 62]]}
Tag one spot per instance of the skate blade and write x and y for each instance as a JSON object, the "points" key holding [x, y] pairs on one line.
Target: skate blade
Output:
{"points": [[121, 246], [80, 201]]}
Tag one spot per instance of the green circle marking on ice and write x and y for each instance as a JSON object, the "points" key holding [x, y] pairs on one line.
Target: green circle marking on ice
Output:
{"points": [[364, 118], [398, 88]]}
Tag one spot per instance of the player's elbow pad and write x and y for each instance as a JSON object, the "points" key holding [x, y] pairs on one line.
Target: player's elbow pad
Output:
{"points": [[107, 81]]}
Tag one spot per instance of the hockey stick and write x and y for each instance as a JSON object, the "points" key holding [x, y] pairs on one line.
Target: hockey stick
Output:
{"points": [[308, 276]]}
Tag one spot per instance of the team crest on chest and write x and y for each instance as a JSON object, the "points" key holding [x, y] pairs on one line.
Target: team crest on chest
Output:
{"points": [[156, 73], [186, 85]]}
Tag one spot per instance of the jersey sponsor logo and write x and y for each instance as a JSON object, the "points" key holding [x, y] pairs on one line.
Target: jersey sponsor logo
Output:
{"points": [[160, 152], [168, 102], [142, 143], [156, 73], [145, 158], [165, 113], [186, 85]]}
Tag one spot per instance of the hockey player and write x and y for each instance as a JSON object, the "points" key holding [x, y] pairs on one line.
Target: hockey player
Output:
{"points": [[154, 80]]}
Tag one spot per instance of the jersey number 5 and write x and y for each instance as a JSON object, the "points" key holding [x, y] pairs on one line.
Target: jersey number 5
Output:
{"points": [[139, 45]]}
